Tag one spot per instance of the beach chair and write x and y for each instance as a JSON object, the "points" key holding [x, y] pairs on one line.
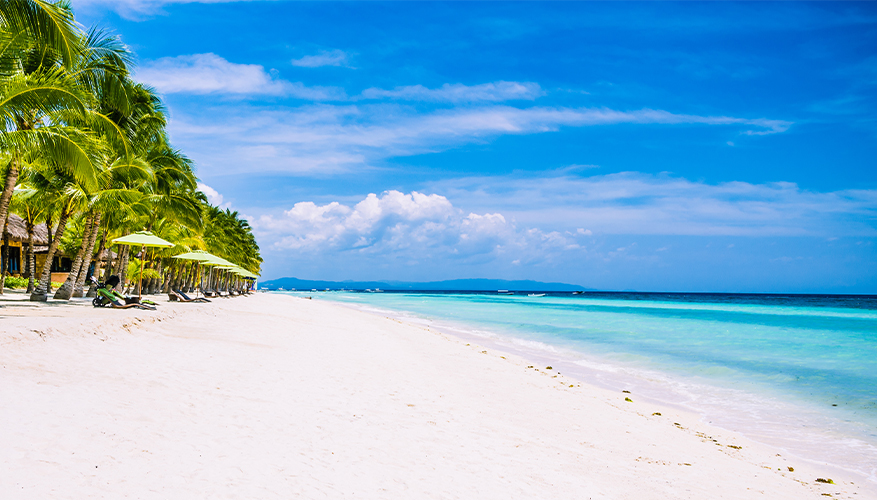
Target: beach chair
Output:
{"points": [[106, 298], [182, 297]]}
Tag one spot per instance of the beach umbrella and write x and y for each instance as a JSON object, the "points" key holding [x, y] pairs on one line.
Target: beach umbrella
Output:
{"points": [[199, 256], [144, 239], [216, 262]]}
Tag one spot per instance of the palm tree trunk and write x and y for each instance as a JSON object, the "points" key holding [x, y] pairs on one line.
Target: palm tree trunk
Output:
{"points": [[31, 257], [188, 278], [4, 258], [8, 188], [178, 278], [111, 261], [66, 289], [51, 239], [97, 266], [168, 277], [39, 295], [154, 282], [123, 265], [83, 271]]}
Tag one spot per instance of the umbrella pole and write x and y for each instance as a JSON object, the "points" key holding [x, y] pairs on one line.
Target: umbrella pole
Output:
{"points": [[140, 287], [199, 278]]}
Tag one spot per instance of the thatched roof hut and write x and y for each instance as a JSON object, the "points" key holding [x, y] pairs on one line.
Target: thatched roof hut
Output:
{"points": [[18, 232]]}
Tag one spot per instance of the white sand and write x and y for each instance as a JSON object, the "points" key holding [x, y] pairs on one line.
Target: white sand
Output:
{"points": [[279, 397]]}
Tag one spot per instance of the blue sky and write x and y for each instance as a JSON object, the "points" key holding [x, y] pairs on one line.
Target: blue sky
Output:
{"points": [[648, 146]]}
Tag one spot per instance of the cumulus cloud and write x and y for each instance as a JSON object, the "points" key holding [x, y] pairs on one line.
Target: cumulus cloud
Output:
{"points": [[212, 74], [413, 224], [213, 195], [458, 93], [335, 57]]}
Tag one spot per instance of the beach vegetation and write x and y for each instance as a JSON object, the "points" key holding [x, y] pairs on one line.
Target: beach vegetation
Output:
{"points": [[84, 150]]}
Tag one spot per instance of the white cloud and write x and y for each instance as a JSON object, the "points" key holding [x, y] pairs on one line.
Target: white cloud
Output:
{"points": [[211, 74], [497, 224], [457, 93], [413, 225], [213, 195], [636, 203], [323, 58], [134, 9], [328, 139]]}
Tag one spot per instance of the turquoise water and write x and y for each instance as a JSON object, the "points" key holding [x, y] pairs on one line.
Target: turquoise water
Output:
{"points": [[770, 366]]}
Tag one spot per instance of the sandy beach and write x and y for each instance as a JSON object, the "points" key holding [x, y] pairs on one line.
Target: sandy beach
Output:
{"points": [[272, 396]]}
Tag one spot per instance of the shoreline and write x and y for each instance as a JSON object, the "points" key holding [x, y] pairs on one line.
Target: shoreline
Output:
{"points": [[275, 396], [780, 426]]}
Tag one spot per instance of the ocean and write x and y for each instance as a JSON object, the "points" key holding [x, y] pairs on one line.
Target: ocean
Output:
{"points": [[795, 371]]}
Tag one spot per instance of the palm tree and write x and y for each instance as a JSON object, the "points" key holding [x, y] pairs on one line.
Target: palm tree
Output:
{"points": [[69, 198], [33, 207], [37, 41]]}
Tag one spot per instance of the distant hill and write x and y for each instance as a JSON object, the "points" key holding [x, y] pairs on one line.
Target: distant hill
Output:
{"points": [[468, 285]]}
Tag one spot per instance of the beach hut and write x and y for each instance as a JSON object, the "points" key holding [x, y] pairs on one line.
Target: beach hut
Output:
{"points": [[14, 249]]}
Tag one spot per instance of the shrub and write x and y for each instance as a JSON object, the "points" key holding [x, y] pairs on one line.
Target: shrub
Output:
{"points": [[13, 282]]}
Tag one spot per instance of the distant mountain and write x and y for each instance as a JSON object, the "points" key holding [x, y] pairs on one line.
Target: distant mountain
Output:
{"points": [[468, 285]]}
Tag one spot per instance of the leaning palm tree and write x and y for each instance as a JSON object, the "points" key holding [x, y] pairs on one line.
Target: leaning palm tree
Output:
{"points": [[38, 41], [34, 208], [69, 198]]}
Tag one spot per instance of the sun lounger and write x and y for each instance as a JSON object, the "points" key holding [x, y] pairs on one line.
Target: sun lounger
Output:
{"points": [[182, 297], [105, 297]]}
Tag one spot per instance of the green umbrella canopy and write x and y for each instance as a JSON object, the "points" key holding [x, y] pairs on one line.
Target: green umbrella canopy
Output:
{"points": [[143, 238], [199, 255], [215, 261], [223, 262], [244, 273]]}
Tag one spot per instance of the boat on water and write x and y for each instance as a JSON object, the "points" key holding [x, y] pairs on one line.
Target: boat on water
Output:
{"points": [[502, 291], [535, 295], [576, 293], [378, 290]]}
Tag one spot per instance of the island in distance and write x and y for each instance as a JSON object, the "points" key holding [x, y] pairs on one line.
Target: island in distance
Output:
{"points": [[462, 285]]}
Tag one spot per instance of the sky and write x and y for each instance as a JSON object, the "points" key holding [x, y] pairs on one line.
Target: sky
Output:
{"points": [[725, 147]]}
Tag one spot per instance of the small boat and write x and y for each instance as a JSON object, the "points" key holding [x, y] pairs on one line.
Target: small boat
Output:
{"points": [[378, 290], [535, 295], [576, 293], [282, 290], [502, 291]]}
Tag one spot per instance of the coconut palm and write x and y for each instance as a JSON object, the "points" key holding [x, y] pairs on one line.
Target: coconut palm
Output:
{"points": [[38, 41]]}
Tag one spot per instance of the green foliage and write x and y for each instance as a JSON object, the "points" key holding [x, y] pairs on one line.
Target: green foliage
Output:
{"points": [[90, 140], [13, 282], [133, 271], [18, 282]]}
